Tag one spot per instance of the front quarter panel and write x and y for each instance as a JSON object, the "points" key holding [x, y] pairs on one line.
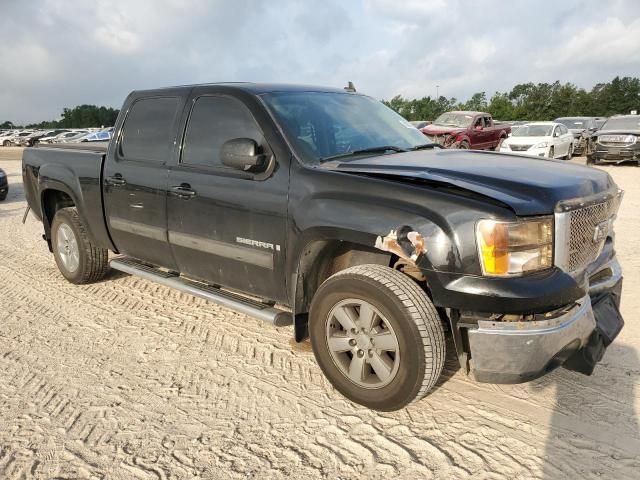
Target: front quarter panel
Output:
{"points": [[327, 205]]}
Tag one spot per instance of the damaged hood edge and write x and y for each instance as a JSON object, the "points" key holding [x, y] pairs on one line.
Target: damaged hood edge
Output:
{"points": [[528, 186]]}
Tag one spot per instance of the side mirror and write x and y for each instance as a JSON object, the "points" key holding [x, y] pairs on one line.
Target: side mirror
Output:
{"points": [[241, 154]]}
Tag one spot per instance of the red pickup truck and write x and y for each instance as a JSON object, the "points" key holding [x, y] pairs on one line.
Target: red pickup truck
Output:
{"points": [[467, 130]]}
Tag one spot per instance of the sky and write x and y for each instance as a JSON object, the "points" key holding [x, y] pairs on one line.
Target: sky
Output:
{"points": [[62, 53]]}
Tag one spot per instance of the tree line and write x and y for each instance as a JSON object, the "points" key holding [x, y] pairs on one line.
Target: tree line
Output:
{"points": [[82, 116], [525, 101], [529, 101]]}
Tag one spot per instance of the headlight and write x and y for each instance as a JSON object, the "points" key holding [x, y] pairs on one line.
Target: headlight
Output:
{"points": [[541, 145], [514, 248]]}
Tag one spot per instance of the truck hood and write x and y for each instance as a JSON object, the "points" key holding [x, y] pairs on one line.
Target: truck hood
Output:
{"points": [[528, 185], [440, 130], [619, 131]]}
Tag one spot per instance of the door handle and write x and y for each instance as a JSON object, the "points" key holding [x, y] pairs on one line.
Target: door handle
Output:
{"points": [[183, 191], [115, 181]]}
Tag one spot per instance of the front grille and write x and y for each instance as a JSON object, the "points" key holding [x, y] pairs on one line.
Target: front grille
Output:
{"points": [[520, 148], [615, 144], [585, 232]]}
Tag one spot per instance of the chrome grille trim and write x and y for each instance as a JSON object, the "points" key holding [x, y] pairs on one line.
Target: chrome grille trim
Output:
{"points": [[577, 243]]}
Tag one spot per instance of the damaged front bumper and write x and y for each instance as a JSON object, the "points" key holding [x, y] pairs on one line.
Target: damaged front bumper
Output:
{"points": [[575, 336]]}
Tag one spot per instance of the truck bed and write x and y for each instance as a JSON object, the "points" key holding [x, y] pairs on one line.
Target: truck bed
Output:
{"points": [[74, 169]]}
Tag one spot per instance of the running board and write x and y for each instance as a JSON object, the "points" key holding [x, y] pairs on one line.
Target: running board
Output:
{"points": [[239, 303]]}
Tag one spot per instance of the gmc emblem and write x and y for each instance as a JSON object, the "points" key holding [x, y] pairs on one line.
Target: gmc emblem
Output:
{"points": [[601, 231]]}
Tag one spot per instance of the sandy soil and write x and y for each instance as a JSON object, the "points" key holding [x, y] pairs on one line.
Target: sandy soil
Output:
{"points": [[124, 379]]}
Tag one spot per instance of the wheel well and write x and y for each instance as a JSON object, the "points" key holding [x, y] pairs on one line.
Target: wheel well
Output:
{"points": [[52, 201], [320, 260]]}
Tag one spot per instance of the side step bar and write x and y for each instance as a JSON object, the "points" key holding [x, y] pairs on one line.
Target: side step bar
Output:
{"points": [[239, 303]]}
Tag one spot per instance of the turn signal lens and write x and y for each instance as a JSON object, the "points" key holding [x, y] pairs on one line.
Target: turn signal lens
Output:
{"points": [[514, 248]]}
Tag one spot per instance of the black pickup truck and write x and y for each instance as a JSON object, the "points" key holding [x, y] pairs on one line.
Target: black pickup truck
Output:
{"points": [[323, 209]]}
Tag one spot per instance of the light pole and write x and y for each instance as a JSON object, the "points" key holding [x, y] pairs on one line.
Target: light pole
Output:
{"points": [[437, 92]]}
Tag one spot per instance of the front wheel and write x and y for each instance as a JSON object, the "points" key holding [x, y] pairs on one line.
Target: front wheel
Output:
{"points": [[377, 337], [77, 258], [6, 143], [552, 153]]}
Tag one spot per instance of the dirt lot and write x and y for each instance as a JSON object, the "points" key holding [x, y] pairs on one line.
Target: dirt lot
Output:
{"points": [[125, 379]]}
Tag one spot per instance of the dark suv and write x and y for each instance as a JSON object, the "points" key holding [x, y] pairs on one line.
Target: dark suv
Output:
{"points": [[617, 141]]}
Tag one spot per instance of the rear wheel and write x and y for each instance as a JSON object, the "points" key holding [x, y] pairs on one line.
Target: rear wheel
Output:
{"points": [[77, 258], [464, 145], [377, 336], [552, 153], [569, 152]]}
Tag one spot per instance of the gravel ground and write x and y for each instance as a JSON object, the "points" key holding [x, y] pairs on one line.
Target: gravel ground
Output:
{"points": [[124, 379]]}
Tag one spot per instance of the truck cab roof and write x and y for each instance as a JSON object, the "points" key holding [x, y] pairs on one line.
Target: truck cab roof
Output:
{"points": [[249, 87]]}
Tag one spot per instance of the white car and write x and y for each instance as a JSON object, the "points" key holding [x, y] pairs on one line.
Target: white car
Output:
{"points": [[7, 137], [540, 139]]}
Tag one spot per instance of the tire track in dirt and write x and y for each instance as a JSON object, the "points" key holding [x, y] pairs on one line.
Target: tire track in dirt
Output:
{"points": [[171, 386]]}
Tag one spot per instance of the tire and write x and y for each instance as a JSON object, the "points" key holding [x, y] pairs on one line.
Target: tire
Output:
{"points": [[91, 263], [3, 196], [499, 144], [399, 307], [464, 145], [6, 143], [551, 153], [569, 152]]}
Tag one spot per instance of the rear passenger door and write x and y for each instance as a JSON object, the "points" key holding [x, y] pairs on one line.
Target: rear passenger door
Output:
{"points": [[135, 179], [566, 138], [226, 226]]}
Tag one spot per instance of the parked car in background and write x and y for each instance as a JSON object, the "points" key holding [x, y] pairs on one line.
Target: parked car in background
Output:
{"points": [[419, 124], [70, 137], [540, 139], [102, 136], [17, 139], [600, 121], [48, 138], [4, 185], [466, 130], [582, 129], [38, 137], [63, 136], [6, 137], [617, 141], [31, 139]]}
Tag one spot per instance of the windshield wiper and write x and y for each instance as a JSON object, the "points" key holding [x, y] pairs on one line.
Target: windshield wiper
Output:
{"points": [[425, 146], [381, 149]]}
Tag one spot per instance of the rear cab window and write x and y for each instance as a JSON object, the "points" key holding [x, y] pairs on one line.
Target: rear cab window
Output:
{"points": [[148, 133]]}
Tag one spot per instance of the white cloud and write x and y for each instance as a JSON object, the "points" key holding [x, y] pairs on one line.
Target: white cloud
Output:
{"points": [[607, 44]]}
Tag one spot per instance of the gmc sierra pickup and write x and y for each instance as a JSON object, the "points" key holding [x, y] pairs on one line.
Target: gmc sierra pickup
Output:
{"points": [[323, 209]]}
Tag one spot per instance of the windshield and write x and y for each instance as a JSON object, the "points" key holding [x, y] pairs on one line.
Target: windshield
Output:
{"points": [[574, 123], [532, 131], [323, 124], [622, 123], [459, 120]]}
